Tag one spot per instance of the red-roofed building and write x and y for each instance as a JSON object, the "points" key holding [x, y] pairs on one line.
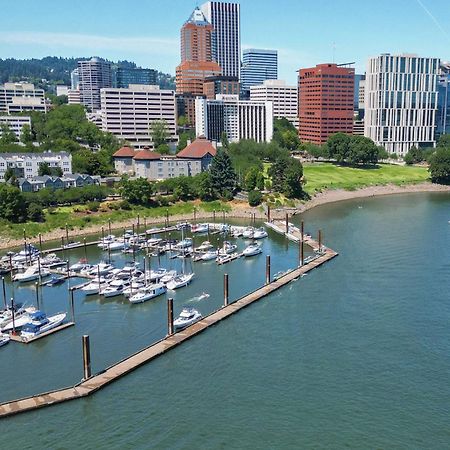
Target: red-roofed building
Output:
{"points": [[123, 160], [201, 149]]}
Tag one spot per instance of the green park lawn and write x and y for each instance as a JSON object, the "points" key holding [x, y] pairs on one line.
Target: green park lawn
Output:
{"points": [[75, 217], [322, 176]]}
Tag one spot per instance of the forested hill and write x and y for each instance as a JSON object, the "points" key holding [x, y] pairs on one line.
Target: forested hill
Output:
{"points": [[56, 70]]}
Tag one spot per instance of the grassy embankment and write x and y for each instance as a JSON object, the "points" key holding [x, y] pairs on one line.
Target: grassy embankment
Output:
{"points": [[78, 217], [322, 176]]}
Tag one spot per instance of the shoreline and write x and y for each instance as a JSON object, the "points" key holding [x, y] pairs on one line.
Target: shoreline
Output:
{"points": [[243, 211]]}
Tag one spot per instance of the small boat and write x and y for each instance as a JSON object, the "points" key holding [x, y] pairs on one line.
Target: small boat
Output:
{"points": [[71, 244], [29, 252], [157, 274], [204, 246], [169, 275], [227, 248], [153, 241], [101, 268], [184, 244], [200, 228], [54, 281], [115, 288], [51, 260], [31, 273], [209, 255], [116, 246], [180, 281], [4, 339], [252, 250], [79, 266], [182, 225], [133, 288], [248, 233], [40, 323], [105, 241], [148, 292], [187, 317], [260, 233], [93, 287], [6, 314]]}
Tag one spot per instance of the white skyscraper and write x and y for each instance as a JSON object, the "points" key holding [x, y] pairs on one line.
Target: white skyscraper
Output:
{"points": [[225, 18], [401, 101]]}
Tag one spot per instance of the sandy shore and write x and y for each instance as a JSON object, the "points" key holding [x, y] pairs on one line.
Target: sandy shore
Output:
{"points": [[241, 210]]}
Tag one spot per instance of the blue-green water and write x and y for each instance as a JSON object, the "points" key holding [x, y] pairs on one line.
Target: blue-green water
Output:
{"points": [[354, 355]]}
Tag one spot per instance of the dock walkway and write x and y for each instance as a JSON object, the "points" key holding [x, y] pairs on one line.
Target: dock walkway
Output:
{"points": [[116, 371]]}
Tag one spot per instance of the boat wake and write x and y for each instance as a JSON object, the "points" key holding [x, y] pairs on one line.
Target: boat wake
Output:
{"points": [[199, 298]]}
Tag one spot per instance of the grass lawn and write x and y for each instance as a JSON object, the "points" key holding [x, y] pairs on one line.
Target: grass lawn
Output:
{"points": [[321, 176], [75, 217]]}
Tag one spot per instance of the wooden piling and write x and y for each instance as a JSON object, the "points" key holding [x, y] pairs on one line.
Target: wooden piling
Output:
{"points": [[86, 357], [302, 228], [4, 292], [302, 252], [267, 269], [287, 222], [72, 306], [225, 290], [13, 317], [36, 285], [319, 240], [67, 233], [169, 316]]}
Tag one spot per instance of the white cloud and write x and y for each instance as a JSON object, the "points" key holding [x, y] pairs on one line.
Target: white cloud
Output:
{"points": [[92, 43]]}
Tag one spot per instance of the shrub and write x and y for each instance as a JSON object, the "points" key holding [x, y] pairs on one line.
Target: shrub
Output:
{"points": [[93, 206], [254, 198], [115, 206], [35, 212], [125, 205]]}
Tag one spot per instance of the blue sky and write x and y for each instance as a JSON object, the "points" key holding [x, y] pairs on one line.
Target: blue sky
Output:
{"points": [[303, 31]]}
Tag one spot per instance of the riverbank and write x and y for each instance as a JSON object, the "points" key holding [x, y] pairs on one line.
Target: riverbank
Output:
{"points": [[240, 210]]}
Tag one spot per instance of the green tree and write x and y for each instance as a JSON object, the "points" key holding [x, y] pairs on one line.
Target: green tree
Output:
{"points": [[8, 136], [382, 153], [85, 161], [224, 140], [9, 174], [163, 149], [223, 176], [184, 137], [440, 166], [362, 150], [137, 191], [205, 189], [286, 175], [254, 198], [44, 169], [254, 179], [338, 146], [444, 140], [159, 132], [12, 203], [414, 156], [35, 212], [26, 136]]}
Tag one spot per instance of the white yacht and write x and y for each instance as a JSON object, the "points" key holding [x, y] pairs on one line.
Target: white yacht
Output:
{"points": [[115, 288], [252, 250], [101, 268], [187, 317], [4, 339], [31, 273], [40, 323], [6, 315], [200, 228], [180, 281], [93, 287], [106, 241], [79, 266], [148, 292], [133, 288], [227, 248], [209, 255], [183, 244], [157, 274], [204, 246], [260, 233], [169, 275], [29, 252], [248, 233]]}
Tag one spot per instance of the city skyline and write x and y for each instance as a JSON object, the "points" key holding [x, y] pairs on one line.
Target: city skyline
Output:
{"points": [[151, 38]]}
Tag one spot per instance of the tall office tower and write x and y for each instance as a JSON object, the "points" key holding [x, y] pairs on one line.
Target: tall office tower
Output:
{"points": [[220, 85], [74, 79], [401, 101], [125, 76], [258, 66], [197, 62], [283, 97], [17, 97], [128, 113], [236, 118], [443, 112], [325, 102], [94, 74], [225, 19]]}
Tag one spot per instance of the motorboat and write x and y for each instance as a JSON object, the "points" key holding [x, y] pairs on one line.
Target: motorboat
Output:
{"points": [[180, 281], [55, 281], [31, 273], [204, 246], [40, 323], [115, 288], [227, 248], [153, 241], [148, 292], [252, 250], [187, 317], [184, 244], [182, 225], [7, 314], [223, 259], [29, 252], [104, 242], [248, 233], [71, 244], [4, 339], [157, 274], [209, 255], [51, 260], [101, 268], [134, 287], [260, 233], [93, 287], [169, 275], [79, 266], [116, 246], [200, 228]]}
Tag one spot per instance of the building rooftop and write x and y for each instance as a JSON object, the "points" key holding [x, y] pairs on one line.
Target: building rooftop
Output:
{"points": [[146, 154], [198, 149], [124, 152]]}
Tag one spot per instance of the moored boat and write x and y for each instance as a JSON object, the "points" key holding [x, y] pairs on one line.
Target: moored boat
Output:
{"points": [[40, 323], [31, 273], [252, 250], [187, 317], [180, 281], [148, 292], [4, 339]]}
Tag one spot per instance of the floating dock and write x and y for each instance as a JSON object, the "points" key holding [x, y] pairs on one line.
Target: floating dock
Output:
{"points": [[116, 371]]}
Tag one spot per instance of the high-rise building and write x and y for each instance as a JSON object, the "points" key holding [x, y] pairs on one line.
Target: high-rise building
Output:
{"points": [[236, 118], [226, 37], [326, 97], [75, 79], [94, 74], [283, 97], [21, 97], [220, 85], [401, 101], [258, 65], [125, 76], [443, 112], [128, 113]]}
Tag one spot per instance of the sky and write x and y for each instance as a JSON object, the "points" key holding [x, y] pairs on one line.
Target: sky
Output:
{"points": [[304, 32]]}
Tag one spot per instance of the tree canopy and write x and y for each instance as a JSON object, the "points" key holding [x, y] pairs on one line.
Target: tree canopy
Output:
{"points": [[440, 166], [286, 174], [223, 176], [352, 149], [285, 134]]}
